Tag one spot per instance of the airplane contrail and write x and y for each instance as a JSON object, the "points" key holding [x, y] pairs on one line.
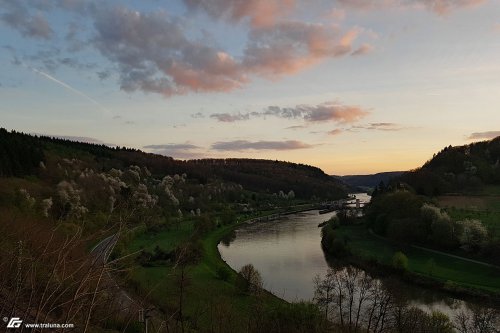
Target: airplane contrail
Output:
{"points": [[70, 88]]}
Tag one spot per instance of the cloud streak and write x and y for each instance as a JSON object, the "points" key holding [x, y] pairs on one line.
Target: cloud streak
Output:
{"points": [[70, 88], [335, 132], [230, 118], [243, 145], [381, 127], [484, 135], [325, 112], [439, 7], [183, 151]]}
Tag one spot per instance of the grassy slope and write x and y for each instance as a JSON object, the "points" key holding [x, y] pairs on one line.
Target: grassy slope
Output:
{"points": [[204, 286], [462, 272]]}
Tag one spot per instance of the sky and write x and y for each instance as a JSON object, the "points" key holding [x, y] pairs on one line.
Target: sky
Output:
{"points": [[350, 86]]}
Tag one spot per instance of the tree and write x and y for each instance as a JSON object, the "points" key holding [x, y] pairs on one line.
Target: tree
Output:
{"points": [[477, 320], [249, 280], [400, 261], [353, 300], [473, 234]]}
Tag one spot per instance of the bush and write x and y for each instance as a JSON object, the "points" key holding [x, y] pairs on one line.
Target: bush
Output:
{"points": [[400, 261]]}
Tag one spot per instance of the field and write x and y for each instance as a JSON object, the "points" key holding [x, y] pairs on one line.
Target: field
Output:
{"points": [[439, 266]]}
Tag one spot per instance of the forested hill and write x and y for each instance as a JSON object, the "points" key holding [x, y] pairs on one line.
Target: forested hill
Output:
{"points": [[458, 169], [21, 155]]}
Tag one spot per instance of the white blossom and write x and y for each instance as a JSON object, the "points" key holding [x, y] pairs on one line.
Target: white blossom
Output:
{"points": [[143, 198], [112, 201], [69, 194], [27, 197], [46, 206]]}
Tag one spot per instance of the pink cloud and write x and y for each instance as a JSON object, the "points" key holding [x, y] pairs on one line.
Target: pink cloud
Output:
{"points": [[260, 13], [440, 7], [291, 46], [334, 111], [325, 112], [153, 52]]}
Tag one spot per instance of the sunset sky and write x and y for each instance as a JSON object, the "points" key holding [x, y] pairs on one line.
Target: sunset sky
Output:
{"points": [[350, 86]]}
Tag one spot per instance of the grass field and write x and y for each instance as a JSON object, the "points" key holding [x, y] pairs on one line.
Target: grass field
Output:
{"points": [[438, 266], [484, 207], [205, 290]]}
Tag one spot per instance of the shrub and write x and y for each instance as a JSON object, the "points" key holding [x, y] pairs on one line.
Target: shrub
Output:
{"points": [[400, 261]]}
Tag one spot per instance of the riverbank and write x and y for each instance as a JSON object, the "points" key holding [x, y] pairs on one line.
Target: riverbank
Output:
{"points": [[457, 276], [205, 290]]}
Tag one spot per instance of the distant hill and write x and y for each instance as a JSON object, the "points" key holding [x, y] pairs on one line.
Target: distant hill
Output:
{"points": [[369, 181], [459, 169]]}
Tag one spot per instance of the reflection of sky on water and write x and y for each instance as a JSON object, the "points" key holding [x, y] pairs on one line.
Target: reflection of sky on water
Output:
{"points": [[288, 254]]}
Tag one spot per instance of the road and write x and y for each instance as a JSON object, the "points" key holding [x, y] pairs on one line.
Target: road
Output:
{"points": [[102, 251]]}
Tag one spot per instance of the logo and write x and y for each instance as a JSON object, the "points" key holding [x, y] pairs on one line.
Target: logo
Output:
{"points": [[14, 322]]}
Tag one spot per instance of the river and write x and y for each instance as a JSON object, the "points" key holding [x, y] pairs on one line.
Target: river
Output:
{"points": [[288, 254]]}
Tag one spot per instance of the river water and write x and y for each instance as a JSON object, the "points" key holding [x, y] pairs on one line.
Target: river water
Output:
{"points": [[288, 254]]}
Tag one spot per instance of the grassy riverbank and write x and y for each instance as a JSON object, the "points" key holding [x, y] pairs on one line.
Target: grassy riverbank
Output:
{"points": [[439, 266], [204, 290]]}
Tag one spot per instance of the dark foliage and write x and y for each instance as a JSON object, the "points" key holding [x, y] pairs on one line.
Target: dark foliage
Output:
{"points": [[20, 154]]}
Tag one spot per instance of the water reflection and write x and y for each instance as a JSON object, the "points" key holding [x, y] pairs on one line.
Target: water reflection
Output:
{"points": [[287, 252]]}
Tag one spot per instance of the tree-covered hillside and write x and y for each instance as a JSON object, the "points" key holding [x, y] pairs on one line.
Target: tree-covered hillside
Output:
{"points": [[458, 169], [21, 155]]}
